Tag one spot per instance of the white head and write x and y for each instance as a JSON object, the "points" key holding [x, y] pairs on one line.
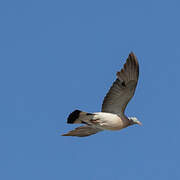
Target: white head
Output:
{"points": [[134, 120]]}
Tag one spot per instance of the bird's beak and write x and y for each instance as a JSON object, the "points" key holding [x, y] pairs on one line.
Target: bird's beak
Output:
{"points": [[139, 123]]}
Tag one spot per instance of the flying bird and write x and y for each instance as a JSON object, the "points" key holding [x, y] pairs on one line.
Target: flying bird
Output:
{"points": [[112, 115]]}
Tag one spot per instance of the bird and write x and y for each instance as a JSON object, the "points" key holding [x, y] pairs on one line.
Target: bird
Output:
{"points": [[112, 116]]}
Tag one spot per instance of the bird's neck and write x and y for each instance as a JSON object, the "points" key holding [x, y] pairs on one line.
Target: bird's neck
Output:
{"points": [[125, 120]]}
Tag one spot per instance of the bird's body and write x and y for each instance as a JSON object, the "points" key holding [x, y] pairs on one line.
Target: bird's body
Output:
{"points": [[112, 116], [102, 120], [110, 121]]}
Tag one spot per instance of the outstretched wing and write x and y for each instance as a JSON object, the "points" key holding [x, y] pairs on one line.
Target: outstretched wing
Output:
{"points": [[82, 131], [123, 88]]}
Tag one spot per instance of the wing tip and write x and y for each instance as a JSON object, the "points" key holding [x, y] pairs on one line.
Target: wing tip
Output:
{"points": [[132, 56], [65, 134], [130, 65]]}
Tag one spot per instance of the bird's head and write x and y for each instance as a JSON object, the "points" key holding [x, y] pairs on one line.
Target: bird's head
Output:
{"points": [[134, 120]]}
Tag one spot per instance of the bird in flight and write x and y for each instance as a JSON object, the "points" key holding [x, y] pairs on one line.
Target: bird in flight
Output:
{"points": [[112, 115]]}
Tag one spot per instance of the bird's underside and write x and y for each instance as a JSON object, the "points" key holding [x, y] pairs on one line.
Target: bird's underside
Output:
{"points": [[112, 116], [94, 122]]}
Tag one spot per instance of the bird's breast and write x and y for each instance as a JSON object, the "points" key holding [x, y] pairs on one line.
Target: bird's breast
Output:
{"points": [[109, 121]]}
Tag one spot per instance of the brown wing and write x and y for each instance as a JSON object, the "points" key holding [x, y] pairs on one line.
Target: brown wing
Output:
{"points": [[123, 88], [82, 131]]}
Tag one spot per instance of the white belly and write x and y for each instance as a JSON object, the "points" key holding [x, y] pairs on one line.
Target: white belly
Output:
{"points": [[108, 121]]}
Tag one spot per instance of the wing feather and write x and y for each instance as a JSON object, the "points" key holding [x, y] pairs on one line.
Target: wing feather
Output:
{"points": [[82, 131], [123, 88]]}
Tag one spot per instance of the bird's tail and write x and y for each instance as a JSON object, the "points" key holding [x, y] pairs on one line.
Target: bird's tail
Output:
{"points": [[78, 117]]}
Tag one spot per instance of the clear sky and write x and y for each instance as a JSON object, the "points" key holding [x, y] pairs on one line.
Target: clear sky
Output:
{"points": [[57, 56]]}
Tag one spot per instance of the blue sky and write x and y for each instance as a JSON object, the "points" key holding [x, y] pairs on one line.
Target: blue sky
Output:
{"points": [[57, 56]]}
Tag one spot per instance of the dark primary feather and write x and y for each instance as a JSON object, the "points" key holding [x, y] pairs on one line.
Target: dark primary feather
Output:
{"points": [[123, 88]]}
